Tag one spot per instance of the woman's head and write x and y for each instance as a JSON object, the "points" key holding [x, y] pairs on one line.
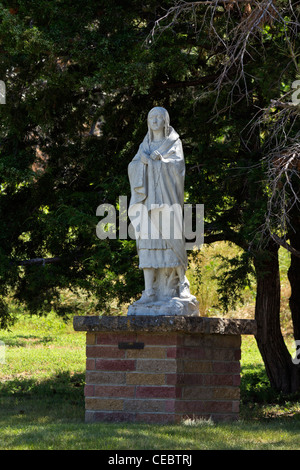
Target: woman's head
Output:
{"points": [[158, 118]]}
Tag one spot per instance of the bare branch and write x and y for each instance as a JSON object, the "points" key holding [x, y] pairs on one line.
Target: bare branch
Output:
{"points": [[283, 182], [43, 261], [35, 261], [286, 245], [237, 44]]}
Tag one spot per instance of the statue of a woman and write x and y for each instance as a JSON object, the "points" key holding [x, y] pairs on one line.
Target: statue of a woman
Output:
{"points": [[156, 176]]}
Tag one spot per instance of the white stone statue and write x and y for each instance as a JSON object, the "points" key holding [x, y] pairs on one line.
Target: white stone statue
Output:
{"points": [[156, 176]]}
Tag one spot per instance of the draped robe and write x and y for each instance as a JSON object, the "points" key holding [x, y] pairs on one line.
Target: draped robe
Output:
{"points": [[155, 188]]}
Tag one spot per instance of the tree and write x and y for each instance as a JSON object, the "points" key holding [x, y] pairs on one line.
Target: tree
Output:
{"points": [[71, 69], [61, 78], [263, 213], [68, 69]]}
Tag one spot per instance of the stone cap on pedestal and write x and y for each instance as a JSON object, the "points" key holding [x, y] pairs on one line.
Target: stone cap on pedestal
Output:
{"points": [[164, 324]]}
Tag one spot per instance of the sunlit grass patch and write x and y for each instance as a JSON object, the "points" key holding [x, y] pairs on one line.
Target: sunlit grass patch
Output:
{"points": [[42, 399]]}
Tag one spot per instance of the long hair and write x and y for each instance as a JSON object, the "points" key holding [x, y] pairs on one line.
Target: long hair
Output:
{"points": [[166, 116]]}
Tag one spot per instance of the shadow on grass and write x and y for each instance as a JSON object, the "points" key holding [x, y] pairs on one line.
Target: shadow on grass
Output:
{"points": [[23, 340], [49, 414], [64, 383], [255, 385], [39, 434], [60, 397], [259, 401]]}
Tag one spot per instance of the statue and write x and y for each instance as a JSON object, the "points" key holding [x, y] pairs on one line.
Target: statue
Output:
{"points": [[156, 176]]}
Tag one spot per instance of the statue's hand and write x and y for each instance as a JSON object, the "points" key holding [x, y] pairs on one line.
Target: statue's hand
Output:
{"points": [[144, 159], [155, 155]]}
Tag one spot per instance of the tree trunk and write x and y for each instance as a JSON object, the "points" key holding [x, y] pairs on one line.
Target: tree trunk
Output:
{"points": [[282, 373], [294, 278]]}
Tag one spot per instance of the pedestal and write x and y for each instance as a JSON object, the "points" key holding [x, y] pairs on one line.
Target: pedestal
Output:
{"points": [[173, 307], [162, 369]]}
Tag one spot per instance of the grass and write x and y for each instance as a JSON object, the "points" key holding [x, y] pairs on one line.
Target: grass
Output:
{"points": [[42, 381], [42, 402]]}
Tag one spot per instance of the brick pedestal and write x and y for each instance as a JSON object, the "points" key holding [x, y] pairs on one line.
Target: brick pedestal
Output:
{"points": [[162, 369]]}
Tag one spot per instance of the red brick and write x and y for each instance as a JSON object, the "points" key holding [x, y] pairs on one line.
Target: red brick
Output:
{"points": [[173, 379], [162, 418], [235, 406], [222, 354], [105, 416], [155, 392], [157, 339], [184, 379], [204, 406], [226, 393], [90, 364], [227, 341], [197, 393], [156, 365], [114, 338], [103, 404], [236, 380], [140, 378], [215, 379], [148, 406], [101, 378], [189, 406], [198, 340], [170, 406], [89, 390], [105, 351], [237, 355], [154, 352], [90, 338], [172, 352], [176, 375], [120, 391], [226, 367], [187, 353], [115, 365], [193, 366]]}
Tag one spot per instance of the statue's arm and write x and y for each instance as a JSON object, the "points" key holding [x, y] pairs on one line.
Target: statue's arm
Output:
{"points": [[156, 155], [141, 156], [174, 154], [144, 158]]}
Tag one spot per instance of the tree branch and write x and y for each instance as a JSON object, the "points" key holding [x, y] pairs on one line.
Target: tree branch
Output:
{"points": [[43, 261], [227, 236], [187, 83], [285, 245]]}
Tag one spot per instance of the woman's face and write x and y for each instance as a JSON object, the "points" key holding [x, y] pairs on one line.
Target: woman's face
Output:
{"points": [[156, 121]]}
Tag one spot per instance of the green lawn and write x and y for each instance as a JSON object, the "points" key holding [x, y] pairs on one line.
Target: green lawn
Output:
{"points": [[42, 402]]}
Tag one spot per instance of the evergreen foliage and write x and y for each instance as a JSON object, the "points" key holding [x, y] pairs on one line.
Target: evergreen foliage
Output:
{"points": [[81, 77]]}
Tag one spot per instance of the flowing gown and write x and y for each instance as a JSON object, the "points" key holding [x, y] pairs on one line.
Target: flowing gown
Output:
{"points": [[155, 210]]}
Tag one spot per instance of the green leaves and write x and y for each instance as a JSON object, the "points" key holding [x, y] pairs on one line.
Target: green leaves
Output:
{"points": [[237, 273], [80, 80]]}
